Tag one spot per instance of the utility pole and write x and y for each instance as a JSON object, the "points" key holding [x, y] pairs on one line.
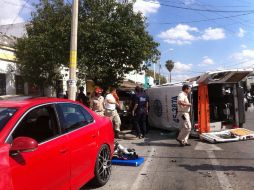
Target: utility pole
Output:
{"points": [[72, 88], [160, 73], [154, 76]]}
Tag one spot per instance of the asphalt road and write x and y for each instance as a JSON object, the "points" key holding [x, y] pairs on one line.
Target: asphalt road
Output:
{"points": [[203, 166]]}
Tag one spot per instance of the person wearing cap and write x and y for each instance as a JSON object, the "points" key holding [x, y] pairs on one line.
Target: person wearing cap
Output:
{"points": [[97, 103], [184, 115]]}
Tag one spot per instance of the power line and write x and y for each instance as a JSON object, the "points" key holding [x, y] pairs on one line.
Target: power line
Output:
{"points": [[219, 14], [204, 20], [239, 63], [68, 1], [22, 8], [225, 6], [15, 4], [207, 18], [202, 10]]}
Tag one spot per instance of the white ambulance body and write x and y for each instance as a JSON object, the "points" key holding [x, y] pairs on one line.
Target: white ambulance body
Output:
{"points": [[225, 96]]}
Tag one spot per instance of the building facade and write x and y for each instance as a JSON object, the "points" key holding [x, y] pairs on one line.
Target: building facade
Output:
{"points": [[11, 82]]}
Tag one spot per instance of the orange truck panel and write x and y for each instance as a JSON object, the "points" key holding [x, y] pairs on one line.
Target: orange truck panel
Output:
{"points": [[203, 109]]}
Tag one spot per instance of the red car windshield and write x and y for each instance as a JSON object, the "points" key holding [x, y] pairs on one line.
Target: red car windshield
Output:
{"points": [[5, 115]]}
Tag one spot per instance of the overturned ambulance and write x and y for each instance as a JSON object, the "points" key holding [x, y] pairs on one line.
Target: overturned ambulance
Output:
{"points": [[217, 102]]}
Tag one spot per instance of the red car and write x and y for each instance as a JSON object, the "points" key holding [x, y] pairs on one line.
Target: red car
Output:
{"points": [[51, 143]]}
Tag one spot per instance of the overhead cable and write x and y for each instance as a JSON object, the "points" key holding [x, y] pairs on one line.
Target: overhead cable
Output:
{"points": [[203, 10], [204, 20]]}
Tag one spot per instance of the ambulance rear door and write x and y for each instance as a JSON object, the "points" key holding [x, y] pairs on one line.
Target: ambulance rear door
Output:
{"points": [[227, 79]]}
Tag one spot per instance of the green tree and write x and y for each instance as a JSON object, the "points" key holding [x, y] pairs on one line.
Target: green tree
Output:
{"points": [[46, 46], [112, 41], [162, 79], [169, 65]]}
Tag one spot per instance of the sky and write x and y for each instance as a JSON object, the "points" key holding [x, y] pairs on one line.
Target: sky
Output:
{"points": [[198, 35]]}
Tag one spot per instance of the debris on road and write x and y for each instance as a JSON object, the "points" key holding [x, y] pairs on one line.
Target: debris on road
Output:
{"points": [[230, 174], [206, 174], [231, 135], [126, 156]]}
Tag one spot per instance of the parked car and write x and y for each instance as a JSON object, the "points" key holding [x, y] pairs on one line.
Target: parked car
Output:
{"points": [[53, 144]]}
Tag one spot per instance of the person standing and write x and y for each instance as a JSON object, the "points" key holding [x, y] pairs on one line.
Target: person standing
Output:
{"points": [[184, 115], [139, 112], [111, 101], [82, 98], [97, 103]]}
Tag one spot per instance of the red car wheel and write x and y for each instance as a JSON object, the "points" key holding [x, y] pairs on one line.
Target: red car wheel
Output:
{"points": [[103, 166]]}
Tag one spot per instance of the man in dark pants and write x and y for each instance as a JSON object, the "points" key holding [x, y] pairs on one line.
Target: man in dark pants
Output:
{"points": [[139, 112]]}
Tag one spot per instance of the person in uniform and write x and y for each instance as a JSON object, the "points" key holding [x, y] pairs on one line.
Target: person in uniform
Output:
{"points": [[111, 101], [184, 115], [139, 112], [97, 103]]}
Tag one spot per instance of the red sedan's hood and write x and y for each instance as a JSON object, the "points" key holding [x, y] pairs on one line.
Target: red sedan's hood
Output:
{"points": [[5, 174]]}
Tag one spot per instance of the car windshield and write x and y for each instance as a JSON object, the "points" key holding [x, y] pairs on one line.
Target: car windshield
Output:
{"points": [[5, 115]]}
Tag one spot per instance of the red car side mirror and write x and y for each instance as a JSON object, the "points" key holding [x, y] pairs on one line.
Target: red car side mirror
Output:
{"points": [[23, 144]]}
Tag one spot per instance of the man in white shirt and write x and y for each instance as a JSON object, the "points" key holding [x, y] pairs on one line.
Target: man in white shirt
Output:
{"points": [[111, 101], [184, 115]]}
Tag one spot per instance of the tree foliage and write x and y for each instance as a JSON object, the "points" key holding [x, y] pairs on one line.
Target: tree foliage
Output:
{"points": [[170, 66], [115, 41], [158, 76], [46, 46], [112, 41]]}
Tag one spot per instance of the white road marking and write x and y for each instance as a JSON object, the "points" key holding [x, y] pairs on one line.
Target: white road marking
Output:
{"points": [[138, 182], [205, 146], [223, 180], [251, 108]]}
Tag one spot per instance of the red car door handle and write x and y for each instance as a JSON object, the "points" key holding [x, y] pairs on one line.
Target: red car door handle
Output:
{"points": [[63, 151]]}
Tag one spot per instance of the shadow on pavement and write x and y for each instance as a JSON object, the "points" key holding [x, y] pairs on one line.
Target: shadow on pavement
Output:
{"points": [[217, 168], [149, 143], [88, 186], [155, 137]]}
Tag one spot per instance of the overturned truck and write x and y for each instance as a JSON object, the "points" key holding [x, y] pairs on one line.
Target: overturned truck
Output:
{"points": [[217, 103]]}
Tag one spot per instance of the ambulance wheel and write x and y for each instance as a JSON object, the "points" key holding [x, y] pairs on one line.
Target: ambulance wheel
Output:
{"points": [[102, 170]]}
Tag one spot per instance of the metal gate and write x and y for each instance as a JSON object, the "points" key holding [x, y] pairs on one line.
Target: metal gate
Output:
{"points": [[2, 84], [19, 84]]}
